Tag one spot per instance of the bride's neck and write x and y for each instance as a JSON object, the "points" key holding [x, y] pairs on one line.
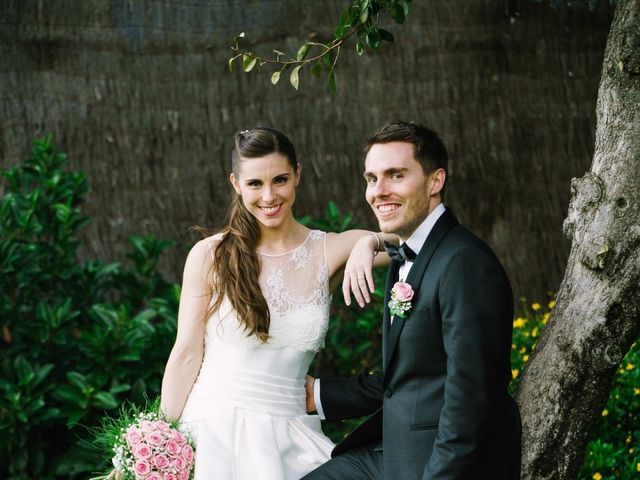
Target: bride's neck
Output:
{"points": [[285, 237]]}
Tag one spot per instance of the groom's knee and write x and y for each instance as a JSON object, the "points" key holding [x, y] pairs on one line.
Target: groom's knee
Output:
{"points": [[363, 463]]}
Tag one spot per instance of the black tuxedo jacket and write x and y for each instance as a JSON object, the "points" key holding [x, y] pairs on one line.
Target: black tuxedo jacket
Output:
{"points": [[441, 409]]}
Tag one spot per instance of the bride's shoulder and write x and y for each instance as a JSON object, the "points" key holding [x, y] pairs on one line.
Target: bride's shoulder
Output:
{"points": [[203, 251], [213, 241]]}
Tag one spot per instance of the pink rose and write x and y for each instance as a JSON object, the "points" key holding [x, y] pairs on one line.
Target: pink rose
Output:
{"points": [[183, 475], [170, 476], [147, 426], [172, 448], [402, 291], [141, 468], [154, 438], [161, 461], [141, 451], [178, 437], [160, 425], [179, 463], [133, 435], [187, 453], [154, 476]]}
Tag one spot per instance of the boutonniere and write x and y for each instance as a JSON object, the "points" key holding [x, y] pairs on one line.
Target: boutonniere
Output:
{"points": [[400, 303]]}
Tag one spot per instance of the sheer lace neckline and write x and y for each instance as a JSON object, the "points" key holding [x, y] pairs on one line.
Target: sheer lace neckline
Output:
{"points": [[288, 251]]}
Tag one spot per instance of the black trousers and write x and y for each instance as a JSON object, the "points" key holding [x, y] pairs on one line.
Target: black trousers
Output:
{"points": [[362, 463]]}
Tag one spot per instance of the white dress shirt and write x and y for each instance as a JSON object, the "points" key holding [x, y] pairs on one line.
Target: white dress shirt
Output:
{"points": [[415, 243]]}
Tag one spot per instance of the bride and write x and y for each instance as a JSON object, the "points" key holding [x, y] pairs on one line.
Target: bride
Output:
{"points": [[254, 310]]}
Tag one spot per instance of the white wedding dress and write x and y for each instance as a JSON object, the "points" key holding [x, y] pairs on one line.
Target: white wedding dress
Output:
{"points": [[247, 406]]}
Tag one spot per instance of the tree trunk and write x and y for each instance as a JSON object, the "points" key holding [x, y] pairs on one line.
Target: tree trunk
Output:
{"points": [[138, 93], [597, 315]]}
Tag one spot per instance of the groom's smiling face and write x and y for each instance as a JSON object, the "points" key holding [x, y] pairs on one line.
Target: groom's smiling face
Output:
{"points": [[398, 190]]}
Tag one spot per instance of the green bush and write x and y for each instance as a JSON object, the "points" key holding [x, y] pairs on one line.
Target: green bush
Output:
{"points": [[77, 338]]}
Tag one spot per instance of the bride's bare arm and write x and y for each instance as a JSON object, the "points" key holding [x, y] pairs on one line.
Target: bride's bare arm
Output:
{"points": [[186, 356], [358, 251]]}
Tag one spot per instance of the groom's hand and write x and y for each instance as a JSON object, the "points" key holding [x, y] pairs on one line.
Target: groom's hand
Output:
{"points": [[308, 386]]}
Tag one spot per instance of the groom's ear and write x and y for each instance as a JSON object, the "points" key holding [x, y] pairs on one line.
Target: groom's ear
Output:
{"points": [[298, 170], [234, 182], [437, 181]]}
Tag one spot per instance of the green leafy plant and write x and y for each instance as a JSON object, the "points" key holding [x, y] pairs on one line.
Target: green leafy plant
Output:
{"points": [[361, 19], [77, 338]]}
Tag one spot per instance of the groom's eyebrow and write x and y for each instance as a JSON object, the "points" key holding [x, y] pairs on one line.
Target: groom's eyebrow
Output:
{"points": [[387, 172]]}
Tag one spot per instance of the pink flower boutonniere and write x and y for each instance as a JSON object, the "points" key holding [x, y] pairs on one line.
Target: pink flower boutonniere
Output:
{"points": [[400, 303]]}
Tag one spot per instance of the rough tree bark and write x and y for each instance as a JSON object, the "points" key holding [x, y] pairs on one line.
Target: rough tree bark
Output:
{"points": [[597, 315]]}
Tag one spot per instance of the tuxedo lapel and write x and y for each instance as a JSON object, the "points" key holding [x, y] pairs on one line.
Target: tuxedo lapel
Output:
{"points": [[416, 274], [392, 278]]}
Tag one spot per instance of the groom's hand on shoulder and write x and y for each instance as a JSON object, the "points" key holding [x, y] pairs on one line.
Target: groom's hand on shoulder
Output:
{"points": [[308, 386]]}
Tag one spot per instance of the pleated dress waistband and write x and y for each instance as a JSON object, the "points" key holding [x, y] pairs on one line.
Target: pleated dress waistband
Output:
{"points": [[252, 391]]}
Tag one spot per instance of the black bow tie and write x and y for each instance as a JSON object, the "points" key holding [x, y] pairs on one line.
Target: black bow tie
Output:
{"points": [[400, 254]]}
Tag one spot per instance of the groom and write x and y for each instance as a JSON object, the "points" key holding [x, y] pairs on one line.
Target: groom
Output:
{"points": [[440, 409]]}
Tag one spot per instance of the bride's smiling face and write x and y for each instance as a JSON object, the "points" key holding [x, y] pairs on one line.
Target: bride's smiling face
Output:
{"points": [[268, 187]]}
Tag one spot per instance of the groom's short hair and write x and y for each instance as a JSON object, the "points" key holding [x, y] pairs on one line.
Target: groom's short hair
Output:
{"points": [[429, 150]]}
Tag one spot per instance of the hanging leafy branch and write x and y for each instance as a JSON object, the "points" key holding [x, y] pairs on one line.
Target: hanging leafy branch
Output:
{"points": [[360, 20]]}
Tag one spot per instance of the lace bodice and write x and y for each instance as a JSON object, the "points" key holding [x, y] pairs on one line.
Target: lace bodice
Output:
{"points": [[296, 287]]}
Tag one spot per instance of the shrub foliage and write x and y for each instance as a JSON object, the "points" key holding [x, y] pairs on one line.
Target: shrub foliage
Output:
{"points": [[77, 338]]}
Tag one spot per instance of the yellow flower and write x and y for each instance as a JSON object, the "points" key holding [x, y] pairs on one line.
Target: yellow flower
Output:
{"points": [[631, 450], [628, 440], [535, 306], [597, 476], [523, 349], [534, 332], [513, 346], [515, 372], [605, 412], [525, 358], [519, 322], [636, 391], [552, 304], [526, 334], [545, 318], [630, 366], [638, 467]]}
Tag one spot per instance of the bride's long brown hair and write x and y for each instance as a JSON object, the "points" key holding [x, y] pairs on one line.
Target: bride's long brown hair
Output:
{"points": [[236, 265]]}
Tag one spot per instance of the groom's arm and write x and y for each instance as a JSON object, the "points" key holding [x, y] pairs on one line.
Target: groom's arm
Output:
{"points": [[353, 397], [477, 310]]}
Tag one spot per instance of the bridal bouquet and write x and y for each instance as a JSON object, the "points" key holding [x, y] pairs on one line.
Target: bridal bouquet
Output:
{"points": [[146, 447]]}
